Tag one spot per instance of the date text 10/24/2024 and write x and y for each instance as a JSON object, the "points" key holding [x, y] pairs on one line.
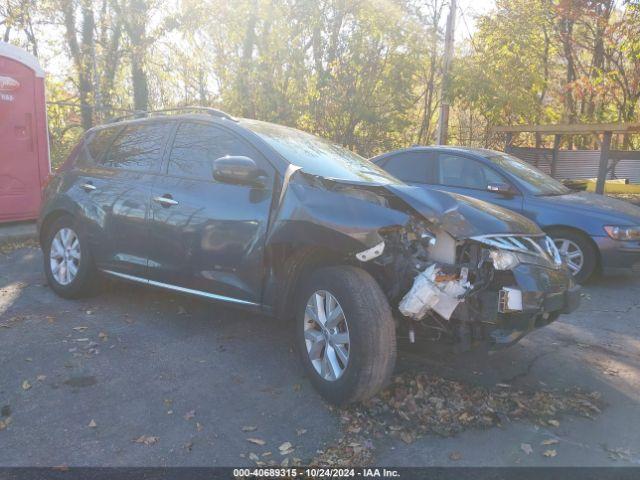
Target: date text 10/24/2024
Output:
{"points": [[315, 473]]}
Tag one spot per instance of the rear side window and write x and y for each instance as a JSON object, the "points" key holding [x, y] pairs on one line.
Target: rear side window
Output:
{"points": [[99, 142], [197, 145], [139, 147], [414, 167]]}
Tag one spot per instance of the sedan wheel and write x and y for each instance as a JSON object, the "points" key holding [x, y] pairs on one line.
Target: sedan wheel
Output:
{"points": [[326, 335], [65, 256], [571, 253]]}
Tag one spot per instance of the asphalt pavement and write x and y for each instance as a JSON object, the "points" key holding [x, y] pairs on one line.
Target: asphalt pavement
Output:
{"points": [[142, 377]]}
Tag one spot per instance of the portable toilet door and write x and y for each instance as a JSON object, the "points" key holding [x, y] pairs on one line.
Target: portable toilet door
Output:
{"points": [[24, 143]]}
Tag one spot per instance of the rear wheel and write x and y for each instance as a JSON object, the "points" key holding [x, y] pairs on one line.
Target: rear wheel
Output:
{"points": [[68, 263], [345, 334], [577, 251]]}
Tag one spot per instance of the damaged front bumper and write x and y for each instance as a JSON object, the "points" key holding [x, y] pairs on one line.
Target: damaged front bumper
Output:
{"points": [[497, 290], [535, 298]]}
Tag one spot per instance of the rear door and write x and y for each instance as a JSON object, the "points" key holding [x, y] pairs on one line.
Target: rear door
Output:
{"points": [[115, 183], [209, 237], [468, 176]]}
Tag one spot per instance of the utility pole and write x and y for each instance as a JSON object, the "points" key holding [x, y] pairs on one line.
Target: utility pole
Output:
{"points": [[443, 121]]}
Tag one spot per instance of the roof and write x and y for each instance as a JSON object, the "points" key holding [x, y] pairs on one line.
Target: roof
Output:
{"points": [[16, 53], [453, 148], [573, 129]]}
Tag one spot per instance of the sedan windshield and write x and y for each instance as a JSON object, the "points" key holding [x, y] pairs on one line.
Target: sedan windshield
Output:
{"points": [[536, 181], [317, 156]]}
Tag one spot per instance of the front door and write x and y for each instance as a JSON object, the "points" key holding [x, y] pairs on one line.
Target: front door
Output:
{"points": [[207, 236]]}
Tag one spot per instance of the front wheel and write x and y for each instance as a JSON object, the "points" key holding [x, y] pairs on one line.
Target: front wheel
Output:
{"points": [[345, 334], [577, 251]]}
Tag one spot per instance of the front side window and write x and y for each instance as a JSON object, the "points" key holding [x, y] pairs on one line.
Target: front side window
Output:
{"points": [[197, 145], [536, 181], [139, 147], [463, 172], [414, 167]]}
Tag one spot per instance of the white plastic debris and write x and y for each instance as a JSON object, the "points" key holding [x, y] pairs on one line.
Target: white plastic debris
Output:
{"points": [[427, 294], [509, 300], [371, 253]]}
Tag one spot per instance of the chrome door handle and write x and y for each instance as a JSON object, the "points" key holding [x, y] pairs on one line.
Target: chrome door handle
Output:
{"points": [[165, 201], [88, 187]]}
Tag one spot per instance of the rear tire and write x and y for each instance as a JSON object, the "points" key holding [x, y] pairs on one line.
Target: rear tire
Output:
{"points": [[573, 242], [365, 365], [68, 263]]}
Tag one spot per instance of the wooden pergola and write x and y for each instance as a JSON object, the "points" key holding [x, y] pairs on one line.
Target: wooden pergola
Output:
{"points": [[558, 131]]}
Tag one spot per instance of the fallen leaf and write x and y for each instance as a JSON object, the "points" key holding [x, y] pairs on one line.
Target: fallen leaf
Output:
{"points": [[549, 441], [80, 329], [92, 424], [503, 385], [554, 423], [199, 426], [526, 448], [147, 439], [103, 336], [26, 385], [406, 437], [297, 387], [189, 415], [455, 456], [249, 428], [41, 378], [257, 441], [550, 453], [286, 448], [301, 431], [285, 462], [254, 457], [5, 423]]}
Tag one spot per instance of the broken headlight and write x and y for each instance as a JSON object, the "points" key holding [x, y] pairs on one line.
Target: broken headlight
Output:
{"points": [[506, 260]]}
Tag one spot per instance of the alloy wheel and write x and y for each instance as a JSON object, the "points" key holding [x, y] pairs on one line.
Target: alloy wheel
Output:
{"points": [[326, 335], [571, 253], [65, 256]]}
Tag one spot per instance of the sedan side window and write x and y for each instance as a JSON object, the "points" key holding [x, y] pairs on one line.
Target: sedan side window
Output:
{"points": [[197, 145], [463, 172], [139, 147], [414, 167]]}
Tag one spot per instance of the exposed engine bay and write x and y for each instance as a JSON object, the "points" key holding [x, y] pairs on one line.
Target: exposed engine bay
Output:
{"points": [[462, 290]]}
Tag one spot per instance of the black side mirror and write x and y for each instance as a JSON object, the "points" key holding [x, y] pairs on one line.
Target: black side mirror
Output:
{"points": [[502, 188], [237, 170]]}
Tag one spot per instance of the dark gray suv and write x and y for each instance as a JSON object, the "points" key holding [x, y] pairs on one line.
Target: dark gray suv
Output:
{"points": [[278, 221]]}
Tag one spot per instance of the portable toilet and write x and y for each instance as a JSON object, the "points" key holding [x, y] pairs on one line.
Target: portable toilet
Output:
{"points": [[24, 142]]}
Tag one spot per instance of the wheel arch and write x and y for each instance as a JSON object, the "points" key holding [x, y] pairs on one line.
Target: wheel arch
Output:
{"points": [[291, 265], [48, 220]]}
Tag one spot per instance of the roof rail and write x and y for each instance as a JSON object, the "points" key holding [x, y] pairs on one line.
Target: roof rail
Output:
{"points": [[148, 113]]}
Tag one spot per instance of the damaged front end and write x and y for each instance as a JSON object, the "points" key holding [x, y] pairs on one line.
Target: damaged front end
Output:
{"points": [[451, 282], [484, 288], [446, 278]]}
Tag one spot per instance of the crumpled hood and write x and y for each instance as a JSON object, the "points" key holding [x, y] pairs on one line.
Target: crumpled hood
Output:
{"points": [[594, 204], [462, 216]]}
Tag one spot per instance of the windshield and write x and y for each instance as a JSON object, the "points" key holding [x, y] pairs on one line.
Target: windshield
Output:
{"points": [[538, 183], [318, 156]]}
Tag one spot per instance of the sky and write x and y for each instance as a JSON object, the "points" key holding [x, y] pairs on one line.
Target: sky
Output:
{"points": [[468, 10]]}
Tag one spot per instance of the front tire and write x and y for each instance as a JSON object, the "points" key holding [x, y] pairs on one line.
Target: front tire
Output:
{"points": [[68, 263], [578, 251], [345, 334]]}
